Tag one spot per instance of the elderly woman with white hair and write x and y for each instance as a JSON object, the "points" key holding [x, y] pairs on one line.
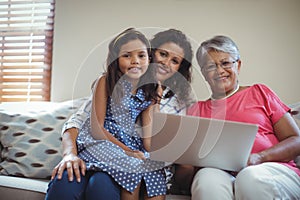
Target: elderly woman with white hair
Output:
{"points": [[271, 172]]}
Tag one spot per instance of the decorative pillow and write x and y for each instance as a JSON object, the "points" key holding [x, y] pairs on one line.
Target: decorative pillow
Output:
{"points": [[30, 135]]}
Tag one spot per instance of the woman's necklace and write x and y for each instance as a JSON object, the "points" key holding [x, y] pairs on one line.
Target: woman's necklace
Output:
{"points": [[229, 95]]}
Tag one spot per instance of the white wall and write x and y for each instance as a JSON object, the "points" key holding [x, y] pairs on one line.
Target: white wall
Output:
{"points": [[266, 31]]}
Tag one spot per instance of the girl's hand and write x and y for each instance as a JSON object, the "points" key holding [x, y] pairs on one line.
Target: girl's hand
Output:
{"points": [[255, 159], [160, 90], [73, 164], [136, 154]]}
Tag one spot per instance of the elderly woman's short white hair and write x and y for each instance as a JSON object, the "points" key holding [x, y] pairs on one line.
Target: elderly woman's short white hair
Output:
{"points": [[218, 43]]}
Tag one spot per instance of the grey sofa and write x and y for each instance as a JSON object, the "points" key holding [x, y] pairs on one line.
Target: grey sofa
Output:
{"points": [[30, 146]]}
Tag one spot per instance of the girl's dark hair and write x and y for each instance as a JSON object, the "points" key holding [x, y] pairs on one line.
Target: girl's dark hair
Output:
{"points": [[179, 86], [147, 82]]}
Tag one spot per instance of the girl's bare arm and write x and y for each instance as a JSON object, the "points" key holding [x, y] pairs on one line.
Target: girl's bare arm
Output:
{"points": [[98, 113]]}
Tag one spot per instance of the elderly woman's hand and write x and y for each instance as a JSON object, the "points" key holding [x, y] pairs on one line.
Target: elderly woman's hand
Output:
{"points": [[255, 159], [74, 166]]}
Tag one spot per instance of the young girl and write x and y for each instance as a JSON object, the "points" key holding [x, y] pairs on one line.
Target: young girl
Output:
{"points": [[109, 142]]}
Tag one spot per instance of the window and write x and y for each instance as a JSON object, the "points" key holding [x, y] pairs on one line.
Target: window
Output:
{"points": [[26, 35]]}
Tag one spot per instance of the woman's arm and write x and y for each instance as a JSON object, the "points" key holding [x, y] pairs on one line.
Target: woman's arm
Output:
{"points": [[288, 147], [77, 119], [98, 114], [70, 160]]}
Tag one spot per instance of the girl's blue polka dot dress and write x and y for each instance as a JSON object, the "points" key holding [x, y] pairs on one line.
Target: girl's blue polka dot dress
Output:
{"points": [[103, 155]]}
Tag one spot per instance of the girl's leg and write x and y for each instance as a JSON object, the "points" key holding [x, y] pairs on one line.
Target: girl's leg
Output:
{"points": [[212, 184], [65, 189], [160, 197], [145, 196], [183, 177], [125, 195], [102, 186], [267, 181]]}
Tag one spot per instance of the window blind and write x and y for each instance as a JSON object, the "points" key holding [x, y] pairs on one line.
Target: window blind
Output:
{"points": [[26, 38]]}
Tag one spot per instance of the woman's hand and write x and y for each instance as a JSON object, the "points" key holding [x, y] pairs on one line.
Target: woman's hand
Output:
{"points": [[73, 164], [136, 154], [160, 90]]}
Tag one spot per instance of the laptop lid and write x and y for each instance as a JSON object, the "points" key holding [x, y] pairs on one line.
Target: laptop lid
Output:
{"points": [[201, 142]]}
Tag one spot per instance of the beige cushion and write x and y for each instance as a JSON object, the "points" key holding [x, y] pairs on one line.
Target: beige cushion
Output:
{"points": [[296, 115]]}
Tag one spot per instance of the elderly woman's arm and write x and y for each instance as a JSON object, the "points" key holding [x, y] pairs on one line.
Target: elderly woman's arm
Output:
{"points": [[287, 149]]}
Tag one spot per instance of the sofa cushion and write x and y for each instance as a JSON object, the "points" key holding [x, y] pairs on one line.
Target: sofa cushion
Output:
{"points": [[1, 147], [296, 112], [30, 134], [296, 115], [36, 185]]}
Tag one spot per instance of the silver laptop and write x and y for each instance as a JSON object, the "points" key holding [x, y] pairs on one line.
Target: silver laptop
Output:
{"points": [[201, 142]]}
